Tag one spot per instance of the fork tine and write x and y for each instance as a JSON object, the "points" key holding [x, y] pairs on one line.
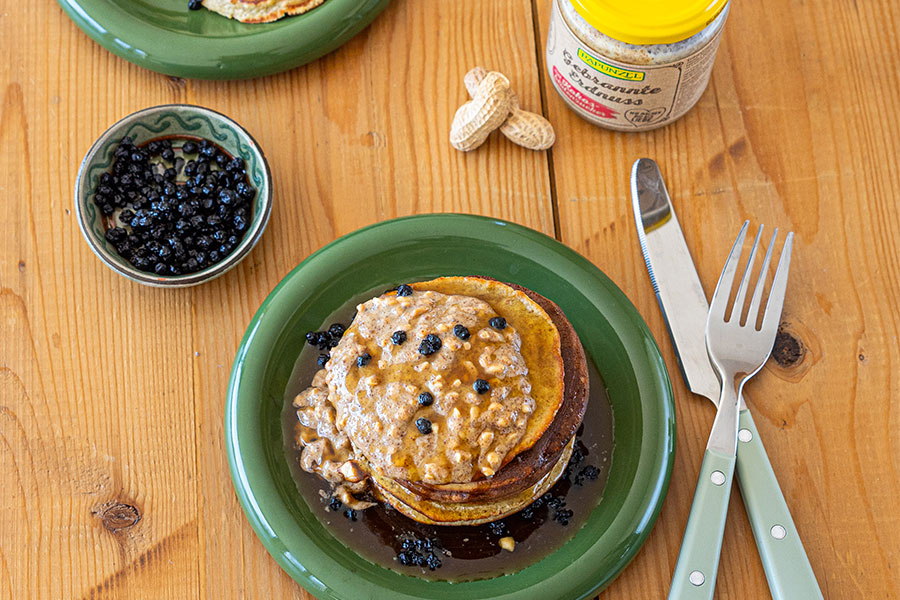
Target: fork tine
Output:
{"points": [[772, 318], [741, 295], [753, 311], [723, 288]]}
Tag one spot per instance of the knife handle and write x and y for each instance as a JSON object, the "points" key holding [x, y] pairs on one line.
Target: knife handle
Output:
{"points": [[698, 559], [787, 568]]}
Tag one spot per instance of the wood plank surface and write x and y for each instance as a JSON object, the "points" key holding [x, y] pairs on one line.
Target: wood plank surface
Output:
{"points": [[798, 129], [113, 476]]}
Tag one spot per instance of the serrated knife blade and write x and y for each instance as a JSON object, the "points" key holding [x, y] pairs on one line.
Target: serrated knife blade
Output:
{"points": [[673, 275]]}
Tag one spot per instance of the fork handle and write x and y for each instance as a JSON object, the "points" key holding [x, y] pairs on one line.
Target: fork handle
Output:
{"points": [[787, 568], [698, 559]]}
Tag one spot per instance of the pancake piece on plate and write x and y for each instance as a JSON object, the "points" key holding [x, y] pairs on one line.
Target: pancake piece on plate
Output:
{"points": [[260, 11]]}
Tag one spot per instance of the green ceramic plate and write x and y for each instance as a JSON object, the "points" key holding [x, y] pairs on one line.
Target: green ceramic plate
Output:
{"points": [[164, 36], [422, 247]]}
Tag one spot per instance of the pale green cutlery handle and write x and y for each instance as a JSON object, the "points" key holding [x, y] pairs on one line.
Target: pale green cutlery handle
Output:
{"points": [[698, 559], [787, 568]]}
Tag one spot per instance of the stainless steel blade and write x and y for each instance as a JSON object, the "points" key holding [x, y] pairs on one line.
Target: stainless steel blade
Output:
{"points": [[673, 276]]}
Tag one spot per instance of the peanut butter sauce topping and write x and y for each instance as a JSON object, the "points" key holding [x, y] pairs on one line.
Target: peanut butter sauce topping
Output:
{"points": [[376, 404]]}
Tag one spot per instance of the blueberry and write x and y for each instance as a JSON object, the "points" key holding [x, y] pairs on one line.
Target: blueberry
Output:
{"points": [[189, 147], [430, 345], [227, 196], [498, 528], [115, 235], [404, 290], [245, 191], [336, 330], [350, 514], [423, 425], [433, 562], [323, 358], [426, 399], [363, 359], [461, 332], [160, 268], [209, 151], [335, 504], [398, 337], [311, 338], [498, 323], [191, 265], [481, 386]]}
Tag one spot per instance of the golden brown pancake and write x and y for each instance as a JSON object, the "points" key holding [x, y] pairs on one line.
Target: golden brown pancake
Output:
{"points": [[540, 343], [527, 467], [475, 512], [260, 11], [374, 383]]}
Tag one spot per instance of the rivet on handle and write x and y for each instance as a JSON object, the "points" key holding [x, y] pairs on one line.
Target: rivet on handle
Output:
{"points": [[717, 477], [696, 578], [745, 435], [778, 532]]}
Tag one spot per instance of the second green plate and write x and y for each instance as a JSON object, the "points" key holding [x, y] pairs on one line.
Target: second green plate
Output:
{"points": [[423, 247], [164, 36]]}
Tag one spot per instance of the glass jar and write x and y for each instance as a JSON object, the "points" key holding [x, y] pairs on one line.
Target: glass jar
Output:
{"points": [[633, 66]]}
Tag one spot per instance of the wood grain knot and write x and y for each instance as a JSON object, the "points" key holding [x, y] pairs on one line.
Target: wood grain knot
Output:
{"points": [[177, 84], [788, 350], [117, 516]]}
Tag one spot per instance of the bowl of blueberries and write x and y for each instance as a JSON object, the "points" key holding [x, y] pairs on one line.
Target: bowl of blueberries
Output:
{"points": [[173, 195]]}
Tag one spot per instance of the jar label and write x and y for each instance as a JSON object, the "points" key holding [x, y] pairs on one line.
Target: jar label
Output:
{"points": [[621, 95]]}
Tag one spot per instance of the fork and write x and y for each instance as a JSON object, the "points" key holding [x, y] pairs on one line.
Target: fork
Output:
{"points": [[737, 351]]}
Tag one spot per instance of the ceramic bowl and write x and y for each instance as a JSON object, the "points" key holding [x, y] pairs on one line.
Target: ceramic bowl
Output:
{"points": [[164, 121]]}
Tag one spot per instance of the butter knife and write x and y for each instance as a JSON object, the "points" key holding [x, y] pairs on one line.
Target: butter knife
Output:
{"points": [[684, 306]]}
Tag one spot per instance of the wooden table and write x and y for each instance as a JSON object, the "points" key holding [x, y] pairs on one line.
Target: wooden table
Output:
{"points": [[112, 470]]}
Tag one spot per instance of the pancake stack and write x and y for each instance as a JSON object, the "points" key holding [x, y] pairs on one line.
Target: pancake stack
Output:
{"points": [[484, 454]]}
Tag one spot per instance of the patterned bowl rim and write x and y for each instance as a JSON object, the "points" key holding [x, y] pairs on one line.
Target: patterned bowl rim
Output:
{"points": [[117, 263]]}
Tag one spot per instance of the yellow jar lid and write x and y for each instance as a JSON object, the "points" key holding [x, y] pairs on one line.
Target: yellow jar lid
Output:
{"points": [[649, 21]]}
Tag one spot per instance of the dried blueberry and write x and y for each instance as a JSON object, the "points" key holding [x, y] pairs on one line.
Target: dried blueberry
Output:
{"points": [[363, 359], [461, 331], [404, 290], [398, 337], [481, 386], [323, 358], [423, 425], [426, 399], [350, 514], [430, 344], [335, 504], [116, 235], [498, 323], [312, 338], [336, 330], [189, 148]]}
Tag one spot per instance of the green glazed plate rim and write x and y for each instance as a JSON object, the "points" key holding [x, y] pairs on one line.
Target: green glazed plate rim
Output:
{"points": [[581, 567], [206, 45]]}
